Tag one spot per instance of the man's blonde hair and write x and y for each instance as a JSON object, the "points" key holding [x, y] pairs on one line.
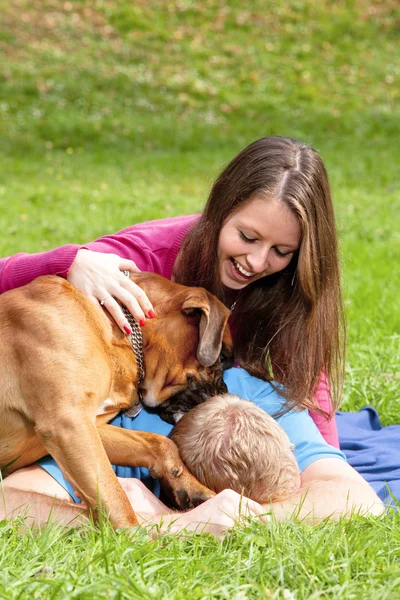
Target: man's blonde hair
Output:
{"points": [[227, 442]]}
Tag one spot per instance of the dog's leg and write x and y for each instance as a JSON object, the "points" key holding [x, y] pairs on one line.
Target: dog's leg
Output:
{"points": [[78, 450], [160, 455]]}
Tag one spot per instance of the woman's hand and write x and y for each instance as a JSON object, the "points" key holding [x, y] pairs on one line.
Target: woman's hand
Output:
{"points": [[99, 277]]}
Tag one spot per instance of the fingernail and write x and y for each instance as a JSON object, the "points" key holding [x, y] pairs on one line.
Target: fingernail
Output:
{"points": [[151, 314], [127, 330], [142, 322]]}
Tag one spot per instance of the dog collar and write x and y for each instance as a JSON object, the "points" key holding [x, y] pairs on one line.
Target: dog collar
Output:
{"points": [[136, 341]]}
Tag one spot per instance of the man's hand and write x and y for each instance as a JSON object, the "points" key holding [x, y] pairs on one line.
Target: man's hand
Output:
{"points": [[216, 516], [146, 505]]}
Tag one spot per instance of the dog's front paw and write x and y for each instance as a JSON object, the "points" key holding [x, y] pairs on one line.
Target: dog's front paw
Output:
{"points": [[175, 471], [185, 491], [186, 501]]}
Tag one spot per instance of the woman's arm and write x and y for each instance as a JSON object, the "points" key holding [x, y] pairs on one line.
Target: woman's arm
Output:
{"points": [[22, 268], [19, 269], [95, 268], [96, 275]]}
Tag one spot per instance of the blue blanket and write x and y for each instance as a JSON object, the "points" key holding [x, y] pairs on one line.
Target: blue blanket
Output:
{"points": [[373, 450]]}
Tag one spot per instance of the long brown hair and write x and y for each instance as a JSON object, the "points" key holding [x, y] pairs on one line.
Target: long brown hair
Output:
{"points": [[289, 326]]}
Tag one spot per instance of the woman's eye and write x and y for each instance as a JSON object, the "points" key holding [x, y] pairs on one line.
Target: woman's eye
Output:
{"points": [[245, 238], [282, 254]]}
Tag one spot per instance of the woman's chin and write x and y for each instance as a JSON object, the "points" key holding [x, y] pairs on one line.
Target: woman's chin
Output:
{"points": [[230, 284]]}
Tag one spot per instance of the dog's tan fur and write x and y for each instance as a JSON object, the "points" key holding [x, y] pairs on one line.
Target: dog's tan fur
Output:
{"points": [[66, 370]]}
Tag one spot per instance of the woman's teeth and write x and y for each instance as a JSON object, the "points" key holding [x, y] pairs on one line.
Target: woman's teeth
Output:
{"points": [[241, 270]]}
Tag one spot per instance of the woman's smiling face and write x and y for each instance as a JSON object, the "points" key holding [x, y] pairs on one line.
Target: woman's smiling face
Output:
{"points": [[255, 241]]}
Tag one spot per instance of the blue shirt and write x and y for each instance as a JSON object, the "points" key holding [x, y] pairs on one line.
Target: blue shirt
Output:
{"points": [[299, 426]]}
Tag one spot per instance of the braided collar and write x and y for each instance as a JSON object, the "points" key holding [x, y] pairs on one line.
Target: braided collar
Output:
{"points": [[136, 341]]}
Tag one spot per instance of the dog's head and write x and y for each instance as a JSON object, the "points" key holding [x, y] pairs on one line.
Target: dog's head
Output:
{"points": [[196, 393], [184, 343]]}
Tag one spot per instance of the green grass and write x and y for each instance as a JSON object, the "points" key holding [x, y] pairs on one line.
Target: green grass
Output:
{"points": [[115, 112], [343, 560]]}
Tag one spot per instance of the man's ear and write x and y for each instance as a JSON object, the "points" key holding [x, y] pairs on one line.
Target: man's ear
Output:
{"points": [[213, 319]]}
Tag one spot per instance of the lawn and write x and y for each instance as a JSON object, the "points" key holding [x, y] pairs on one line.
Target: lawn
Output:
{"points": [[117, 112]]}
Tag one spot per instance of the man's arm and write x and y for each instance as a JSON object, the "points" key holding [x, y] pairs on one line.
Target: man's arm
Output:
{"points": [[330, 488], [45, 509], [32, 493]]}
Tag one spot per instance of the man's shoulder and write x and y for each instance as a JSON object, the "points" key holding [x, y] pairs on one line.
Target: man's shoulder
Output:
{"points": [[248, 387]]}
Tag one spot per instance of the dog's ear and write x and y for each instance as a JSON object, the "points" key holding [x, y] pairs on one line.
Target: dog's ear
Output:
{"points": [[213, 319]]}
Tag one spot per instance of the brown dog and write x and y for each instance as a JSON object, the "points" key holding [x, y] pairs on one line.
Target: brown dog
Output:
{"points": [[66, 370]]}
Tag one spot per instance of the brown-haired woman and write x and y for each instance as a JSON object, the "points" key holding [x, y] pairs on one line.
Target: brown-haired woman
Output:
{"points": [[288, 318], [266, 245]]}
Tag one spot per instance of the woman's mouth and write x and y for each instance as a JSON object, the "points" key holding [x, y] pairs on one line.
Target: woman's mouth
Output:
{"points": [[239, 272]]}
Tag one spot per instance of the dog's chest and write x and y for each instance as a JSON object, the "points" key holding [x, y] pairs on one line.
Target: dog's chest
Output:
{"points": [[112, 406], [109, 405], [116, 403]]}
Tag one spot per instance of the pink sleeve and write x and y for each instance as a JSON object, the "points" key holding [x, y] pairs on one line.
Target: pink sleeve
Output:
{"points": [[327, 426], [20, 269], [153, 246], [130, 244]]}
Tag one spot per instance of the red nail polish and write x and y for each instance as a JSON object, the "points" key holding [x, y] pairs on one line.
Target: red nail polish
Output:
{"points": [[142, 322], [151, 314], [127, 330]]}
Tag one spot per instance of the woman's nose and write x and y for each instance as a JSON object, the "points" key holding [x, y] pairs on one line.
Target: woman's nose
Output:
{"points": [[258, 261]]}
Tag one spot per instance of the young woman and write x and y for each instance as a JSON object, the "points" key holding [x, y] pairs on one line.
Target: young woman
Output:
{"points": [[266, 245]]}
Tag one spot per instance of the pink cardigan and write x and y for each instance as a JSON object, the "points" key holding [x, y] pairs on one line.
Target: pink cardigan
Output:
{"points": [[153, 246]]}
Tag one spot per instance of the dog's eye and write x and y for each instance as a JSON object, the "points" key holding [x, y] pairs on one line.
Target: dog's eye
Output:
{"points": [[225, 361]]}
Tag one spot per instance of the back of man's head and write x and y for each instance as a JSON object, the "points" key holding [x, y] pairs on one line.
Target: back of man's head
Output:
{"points": [[227, 442]]}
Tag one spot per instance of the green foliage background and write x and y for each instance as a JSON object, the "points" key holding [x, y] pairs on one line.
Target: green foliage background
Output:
{"points": [[113, 112], [117, 112]]}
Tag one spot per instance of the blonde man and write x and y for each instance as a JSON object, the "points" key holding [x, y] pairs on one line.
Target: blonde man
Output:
{"points": [[230, 443]]}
